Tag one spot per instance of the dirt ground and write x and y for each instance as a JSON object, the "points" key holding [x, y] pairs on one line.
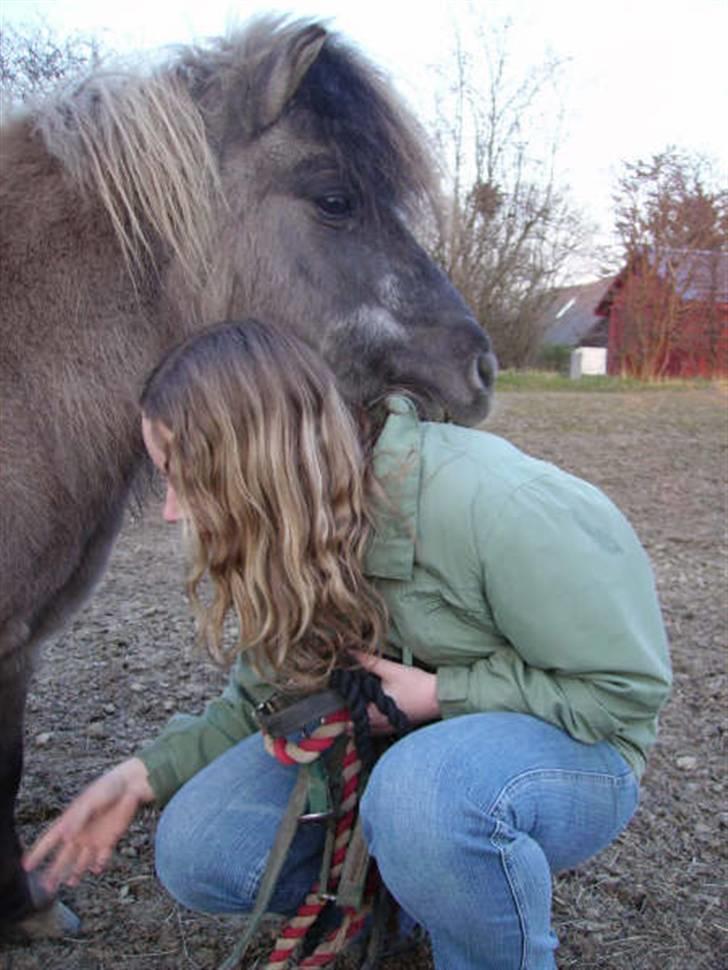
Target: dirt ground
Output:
{"points": [[653, 901]]}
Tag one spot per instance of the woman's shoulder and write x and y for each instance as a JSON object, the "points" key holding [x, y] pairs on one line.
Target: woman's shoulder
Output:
{"points": [[477, 459]]}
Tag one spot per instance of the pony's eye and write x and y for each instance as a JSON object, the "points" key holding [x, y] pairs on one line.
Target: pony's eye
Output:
{"points": [[335, 205]]}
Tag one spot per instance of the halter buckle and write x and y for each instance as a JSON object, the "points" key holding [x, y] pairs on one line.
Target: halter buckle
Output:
{"points": [[283, 714]]}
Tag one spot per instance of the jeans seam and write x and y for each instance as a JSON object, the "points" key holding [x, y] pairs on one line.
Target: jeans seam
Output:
{"points": [[518, 781], [515, 891], [499, 834], [253, 879]]}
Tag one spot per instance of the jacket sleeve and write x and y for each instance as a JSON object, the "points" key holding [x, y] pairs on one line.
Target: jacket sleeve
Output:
{"points": [[571, 590], [190, 742]]}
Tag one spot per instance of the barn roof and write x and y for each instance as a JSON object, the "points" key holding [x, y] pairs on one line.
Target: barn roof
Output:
{"points": [[699, 275], [571, 312]]}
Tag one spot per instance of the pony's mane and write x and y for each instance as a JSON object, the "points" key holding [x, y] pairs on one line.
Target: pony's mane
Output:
{"points": [[146, 145], [139, 144]]}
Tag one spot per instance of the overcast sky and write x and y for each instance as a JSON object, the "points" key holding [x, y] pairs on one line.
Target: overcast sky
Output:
{"points": [[640, 74]]}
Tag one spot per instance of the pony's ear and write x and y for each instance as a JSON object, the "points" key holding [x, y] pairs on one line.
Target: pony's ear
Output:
{"points": [[279, 75]]}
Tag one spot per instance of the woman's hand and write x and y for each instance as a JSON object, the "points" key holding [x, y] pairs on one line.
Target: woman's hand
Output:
{"points": [[414, 691], [83, 838]]}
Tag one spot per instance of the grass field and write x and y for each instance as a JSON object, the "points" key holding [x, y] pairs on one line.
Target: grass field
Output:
{"points": [[543, 380]]}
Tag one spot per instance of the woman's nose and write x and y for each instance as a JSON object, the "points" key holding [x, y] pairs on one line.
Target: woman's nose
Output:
{"points": [[171, 511]]}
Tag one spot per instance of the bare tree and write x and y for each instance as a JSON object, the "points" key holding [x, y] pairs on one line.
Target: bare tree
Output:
{"points": [[671, 222], [34, 60], [673, 200], [511, 230]]}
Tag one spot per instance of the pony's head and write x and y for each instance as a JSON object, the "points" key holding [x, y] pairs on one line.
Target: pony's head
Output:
{"points": [[274, 173]]}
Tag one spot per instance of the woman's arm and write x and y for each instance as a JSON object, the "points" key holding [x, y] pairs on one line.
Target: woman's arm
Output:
{"points": [[84, 837], [572, 590], [190, 742]]}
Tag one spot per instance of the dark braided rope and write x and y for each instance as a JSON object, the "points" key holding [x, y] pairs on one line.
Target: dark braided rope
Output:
{"points": [[359, 688]]}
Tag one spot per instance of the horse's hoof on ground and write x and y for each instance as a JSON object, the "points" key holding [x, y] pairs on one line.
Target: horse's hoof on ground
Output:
{"points": [[53, 922], [58, 920]]}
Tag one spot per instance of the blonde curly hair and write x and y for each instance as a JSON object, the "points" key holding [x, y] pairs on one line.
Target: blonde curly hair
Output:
{"points": [[267, 462]]}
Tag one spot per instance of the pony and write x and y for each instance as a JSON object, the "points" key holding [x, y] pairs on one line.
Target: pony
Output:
{"points": [[270, 173]]}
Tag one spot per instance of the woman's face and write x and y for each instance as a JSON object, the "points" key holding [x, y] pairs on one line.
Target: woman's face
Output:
{"points": [[154, 433]]}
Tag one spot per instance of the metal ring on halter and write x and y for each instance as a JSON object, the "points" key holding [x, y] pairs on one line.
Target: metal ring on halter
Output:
{"points": [[317, 816]]}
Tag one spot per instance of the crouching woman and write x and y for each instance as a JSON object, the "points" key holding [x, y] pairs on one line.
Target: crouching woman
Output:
{"points": [[507, 607]]}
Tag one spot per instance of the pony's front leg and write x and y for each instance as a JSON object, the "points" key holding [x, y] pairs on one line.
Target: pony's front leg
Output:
{"points": [[26, 911]]}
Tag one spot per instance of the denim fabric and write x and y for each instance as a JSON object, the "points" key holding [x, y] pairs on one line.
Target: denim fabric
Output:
{"points": [[468, 818], [214, 836]]}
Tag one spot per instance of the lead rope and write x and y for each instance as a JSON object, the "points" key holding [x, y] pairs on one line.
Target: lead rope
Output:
{"points": [[358, 688]]}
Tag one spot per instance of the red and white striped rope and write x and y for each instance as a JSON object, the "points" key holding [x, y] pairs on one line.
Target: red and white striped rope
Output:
{"points": [[304, 752], [308, 749]]}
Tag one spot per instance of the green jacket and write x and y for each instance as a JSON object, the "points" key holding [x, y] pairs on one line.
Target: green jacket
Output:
{"points": [[523, 587]]}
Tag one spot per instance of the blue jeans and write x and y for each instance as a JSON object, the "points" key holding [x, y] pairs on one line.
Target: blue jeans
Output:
{"points": [[468, 818]]}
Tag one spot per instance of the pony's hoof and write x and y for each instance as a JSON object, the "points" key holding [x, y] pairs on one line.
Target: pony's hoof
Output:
{"points": [[53, 922]]}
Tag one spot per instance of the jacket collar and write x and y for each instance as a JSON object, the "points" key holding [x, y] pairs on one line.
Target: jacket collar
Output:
{"points": [[396, 463]]}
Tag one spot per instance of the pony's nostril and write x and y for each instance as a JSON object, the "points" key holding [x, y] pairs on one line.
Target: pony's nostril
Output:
{"points": [[486, 367]]}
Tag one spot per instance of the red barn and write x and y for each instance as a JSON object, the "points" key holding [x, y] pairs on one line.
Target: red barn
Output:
{"points": [[666, 315]]}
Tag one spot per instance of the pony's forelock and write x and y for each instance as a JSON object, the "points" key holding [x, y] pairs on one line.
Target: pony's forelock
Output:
{"points": [[379, 143]]}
